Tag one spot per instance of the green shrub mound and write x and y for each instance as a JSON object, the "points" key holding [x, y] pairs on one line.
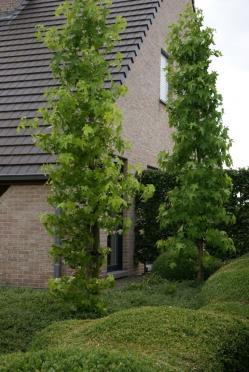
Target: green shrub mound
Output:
{"points": [[154, 291], [23, 312], [184, 339], [230, 283], [75, 360], [232, 308], [182, 264]]}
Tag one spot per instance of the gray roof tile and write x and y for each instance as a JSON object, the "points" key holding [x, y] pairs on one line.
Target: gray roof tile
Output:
{"points": [[25, 74]]}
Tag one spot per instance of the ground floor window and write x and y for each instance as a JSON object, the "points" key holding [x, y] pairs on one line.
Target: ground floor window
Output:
{"points": [[115, 257]]}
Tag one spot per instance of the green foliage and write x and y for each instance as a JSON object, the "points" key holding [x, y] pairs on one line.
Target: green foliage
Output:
{"points": [[176, 264], [230, 283], [74, 360], [201, 142], [24, 312], [210, 264], [181, 264], [148, 230], [238, 309], [153, 291], [167, 335], [239, 205], [147, 227], [161, 338], [88, 188]]}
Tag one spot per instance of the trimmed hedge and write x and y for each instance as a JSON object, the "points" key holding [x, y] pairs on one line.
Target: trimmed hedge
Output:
{"points": [[230, 283], [23, 312], [213, 338], [147, 226], [232, 308], [173, 338], [75, 360]]}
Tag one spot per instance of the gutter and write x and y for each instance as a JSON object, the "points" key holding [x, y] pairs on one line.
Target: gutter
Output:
{"points": [[32, 177]]}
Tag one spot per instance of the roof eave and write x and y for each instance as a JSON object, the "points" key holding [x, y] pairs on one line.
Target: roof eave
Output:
{"points": [[28, 178]]}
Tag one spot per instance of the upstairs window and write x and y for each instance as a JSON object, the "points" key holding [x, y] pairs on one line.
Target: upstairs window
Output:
{"points": [[163, 79]]}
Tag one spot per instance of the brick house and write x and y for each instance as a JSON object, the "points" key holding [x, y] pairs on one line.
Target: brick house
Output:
{"points": [[24, 74]]}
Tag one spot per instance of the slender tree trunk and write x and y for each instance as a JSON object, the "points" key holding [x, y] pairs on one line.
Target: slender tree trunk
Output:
{"points": [[200, 274], [93, 270], [96, 253]]}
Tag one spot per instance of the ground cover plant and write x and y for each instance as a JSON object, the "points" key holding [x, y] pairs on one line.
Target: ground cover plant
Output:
{"points": [[24, 312], [167, 335], [230, 283], [154, 291], [211, 334], [75, 360]]}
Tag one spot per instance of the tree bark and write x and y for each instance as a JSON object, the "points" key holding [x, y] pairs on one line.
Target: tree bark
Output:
{"points": [[200, 274], [93, 271]]}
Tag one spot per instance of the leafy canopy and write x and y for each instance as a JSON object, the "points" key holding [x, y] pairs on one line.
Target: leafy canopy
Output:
{"points": [[201, 142]]}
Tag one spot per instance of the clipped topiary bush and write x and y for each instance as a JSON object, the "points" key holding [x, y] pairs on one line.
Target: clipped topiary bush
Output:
{"points": [[75, 360], [230, 283], [175, 339], [24, 312], [182, 264], [232, 308]]}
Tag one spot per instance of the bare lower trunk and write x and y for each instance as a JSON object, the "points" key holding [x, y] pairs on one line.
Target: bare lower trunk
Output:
{"points": [[93, 270], [200, 274]]}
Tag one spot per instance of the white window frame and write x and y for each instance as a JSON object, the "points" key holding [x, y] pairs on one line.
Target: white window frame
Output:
{"points": [[163, 78]]}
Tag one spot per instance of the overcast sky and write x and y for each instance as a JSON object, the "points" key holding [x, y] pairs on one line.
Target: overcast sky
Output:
{"points": [[230, 18]]}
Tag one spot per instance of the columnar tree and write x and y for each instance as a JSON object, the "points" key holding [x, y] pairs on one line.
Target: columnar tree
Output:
{"points": [[88, 188], [201, 142]]}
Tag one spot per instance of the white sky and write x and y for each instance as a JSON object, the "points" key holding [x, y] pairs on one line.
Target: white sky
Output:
{"points": [[230, 18]]}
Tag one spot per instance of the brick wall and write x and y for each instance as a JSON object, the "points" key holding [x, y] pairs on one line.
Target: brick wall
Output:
{"points": [[24, 243]]}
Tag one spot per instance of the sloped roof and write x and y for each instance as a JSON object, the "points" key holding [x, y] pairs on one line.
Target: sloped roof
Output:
{"points": [[25, 73]]}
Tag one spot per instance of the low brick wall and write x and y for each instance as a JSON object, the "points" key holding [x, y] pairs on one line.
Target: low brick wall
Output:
{"points": [[24, 242]]}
